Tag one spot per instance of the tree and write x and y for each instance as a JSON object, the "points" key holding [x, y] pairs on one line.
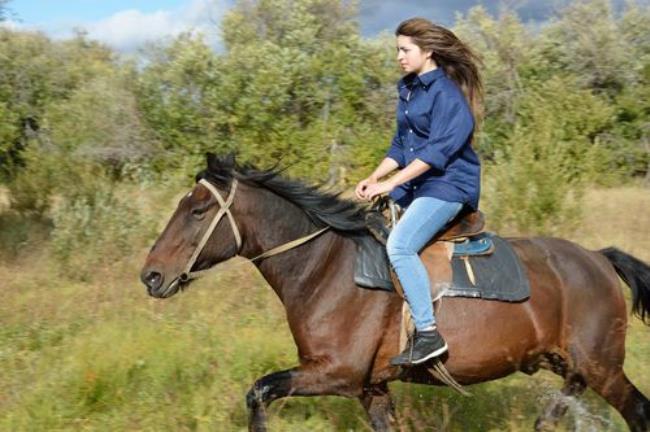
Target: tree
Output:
{"points": [[634, 100], [535, 183], [505, 45], [99, 123], [64, 120], [171, 93], [296, 83], [586, 41], [307, 87], [35, 72]]}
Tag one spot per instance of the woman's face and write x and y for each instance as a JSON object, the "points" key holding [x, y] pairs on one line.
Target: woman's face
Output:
{"points": [[410, 57]]}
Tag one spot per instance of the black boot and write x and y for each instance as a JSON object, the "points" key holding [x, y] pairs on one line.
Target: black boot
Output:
{"points": [[425, 346]]}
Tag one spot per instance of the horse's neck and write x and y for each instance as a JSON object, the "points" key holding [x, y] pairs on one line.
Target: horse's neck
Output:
{"points": [[296, 273]]}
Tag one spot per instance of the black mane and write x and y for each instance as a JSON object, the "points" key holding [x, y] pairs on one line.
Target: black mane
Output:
{"points": [[323, 208]]}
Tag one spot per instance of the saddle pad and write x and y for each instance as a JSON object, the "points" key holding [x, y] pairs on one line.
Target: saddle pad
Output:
{"points": [[498, 276], [372, 265]]}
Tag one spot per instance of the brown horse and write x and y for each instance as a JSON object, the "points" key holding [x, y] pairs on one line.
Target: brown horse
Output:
{"points": [[573, 324]]}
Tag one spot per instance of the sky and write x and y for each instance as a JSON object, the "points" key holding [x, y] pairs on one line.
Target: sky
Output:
{"points": [[126, 25], [121, 24]]}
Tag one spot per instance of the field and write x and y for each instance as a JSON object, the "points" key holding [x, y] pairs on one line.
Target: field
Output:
{"points": [[99, 354]]}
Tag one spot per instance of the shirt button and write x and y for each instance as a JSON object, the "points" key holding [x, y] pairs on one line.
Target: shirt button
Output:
{"points": [[406, 112], [410, 130], [411, 149], [415, 187]]}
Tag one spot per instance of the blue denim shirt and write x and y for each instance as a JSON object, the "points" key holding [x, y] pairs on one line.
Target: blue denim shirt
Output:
{"points": [[435, 125]]}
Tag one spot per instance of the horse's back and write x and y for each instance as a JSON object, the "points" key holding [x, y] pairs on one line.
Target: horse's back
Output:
{"points": [[584, 283], [571, 287], [585, 280]]}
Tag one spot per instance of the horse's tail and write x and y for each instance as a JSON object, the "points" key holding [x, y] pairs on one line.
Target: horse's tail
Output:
{"points": [[636, 274]]}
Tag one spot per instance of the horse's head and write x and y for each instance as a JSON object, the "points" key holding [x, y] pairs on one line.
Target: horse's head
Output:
{"points": [[268, 209], [201, 233]]}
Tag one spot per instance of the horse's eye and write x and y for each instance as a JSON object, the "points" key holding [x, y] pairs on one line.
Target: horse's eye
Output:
{"points": [[199, 212]]}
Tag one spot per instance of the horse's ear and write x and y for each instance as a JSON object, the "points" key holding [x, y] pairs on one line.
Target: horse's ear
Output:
{"points": [[211, 160], [216, 164], [229, 160]]}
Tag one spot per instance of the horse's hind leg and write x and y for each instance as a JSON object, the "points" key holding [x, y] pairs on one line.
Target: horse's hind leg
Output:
{"points": [[600, 363], [598, 357], [620, 393], [377, 403], [574, 386]]}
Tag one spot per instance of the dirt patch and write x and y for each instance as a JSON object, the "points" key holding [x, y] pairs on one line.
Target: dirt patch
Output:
{"points": [[4, 199], [617, 217]]}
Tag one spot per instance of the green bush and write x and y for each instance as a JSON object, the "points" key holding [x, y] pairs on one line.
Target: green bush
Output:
{"points": [[18, 232], [93, 232], [535, 183]]}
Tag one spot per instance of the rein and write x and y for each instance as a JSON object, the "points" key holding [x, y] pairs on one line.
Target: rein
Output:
{"points": [[188, 274]]}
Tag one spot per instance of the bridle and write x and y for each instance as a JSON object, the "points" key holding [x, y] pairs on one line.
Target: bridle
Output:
{"points": [[224, 209]]}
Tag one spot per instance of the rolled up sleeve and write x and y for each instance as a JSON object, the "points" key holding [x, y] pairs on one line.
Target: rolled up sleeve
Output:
{"points": [[395, 151], [451, 126]]}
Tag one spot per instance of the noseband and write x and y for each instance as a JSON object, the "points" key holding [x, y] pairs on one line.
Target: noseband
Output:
{"points": [[225, 210]]}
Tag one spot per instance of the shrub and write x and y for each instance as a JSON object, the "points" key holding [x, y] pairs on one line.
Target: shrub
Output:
{"points": [[535, 183], [92, 232]]}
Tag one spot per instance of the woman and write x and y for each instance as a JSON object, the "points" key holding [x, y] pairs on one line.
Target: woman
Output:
{"points": [[438, 110]]}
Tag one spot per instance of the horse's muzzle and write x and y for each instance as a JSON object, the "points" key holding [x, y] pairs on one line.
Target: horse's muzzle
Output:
{"points": [[156, 287], [152, 279]]}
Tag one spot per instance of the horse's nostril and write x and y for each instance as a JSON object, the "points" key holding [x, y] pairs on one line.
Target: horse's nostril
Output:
{"points": [[152, 279]]}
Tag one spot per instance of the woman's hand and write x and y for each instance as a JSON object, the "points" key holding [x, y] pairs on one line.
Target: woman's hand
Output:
{"points": [[375, 189], [360, 190]]}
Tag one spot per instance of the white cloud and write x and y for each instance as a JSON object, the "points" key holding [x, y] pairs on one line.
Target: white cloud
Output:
{"points": [[11, 25], [129, 29]]}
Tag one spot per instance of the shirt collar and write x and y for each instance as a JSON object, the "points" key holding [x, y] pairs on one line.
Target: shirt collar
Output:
{"points": [[426, 79]]}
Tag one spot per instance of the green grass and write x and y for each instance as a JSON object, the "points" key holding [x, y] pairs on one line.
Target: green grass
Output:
{"points": [[102, 355]]}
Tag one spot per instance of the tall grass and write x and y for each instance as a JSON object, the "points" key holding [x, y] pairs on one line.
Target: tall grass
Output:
{"points": [[99, 354]]}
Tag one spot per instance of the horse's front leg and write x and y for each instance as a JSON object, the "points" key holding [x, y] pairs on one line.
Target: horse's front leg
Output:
{"points": [[264, 391], [300, 381]]}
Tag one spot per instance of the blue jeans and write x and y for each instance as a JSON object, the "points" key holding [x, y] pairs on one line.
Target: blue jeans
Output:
{"points": [[420, 222]]}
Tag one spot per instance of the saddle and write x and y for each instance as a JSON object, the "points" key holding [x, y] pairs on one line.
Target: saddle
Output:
{"points": [[383, 215], [466, 261], [466, 224]]}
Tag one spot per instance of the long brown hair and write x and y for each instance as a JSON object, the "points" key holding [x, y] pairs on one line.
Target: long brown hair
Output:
{"points": [[459, 62]]}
